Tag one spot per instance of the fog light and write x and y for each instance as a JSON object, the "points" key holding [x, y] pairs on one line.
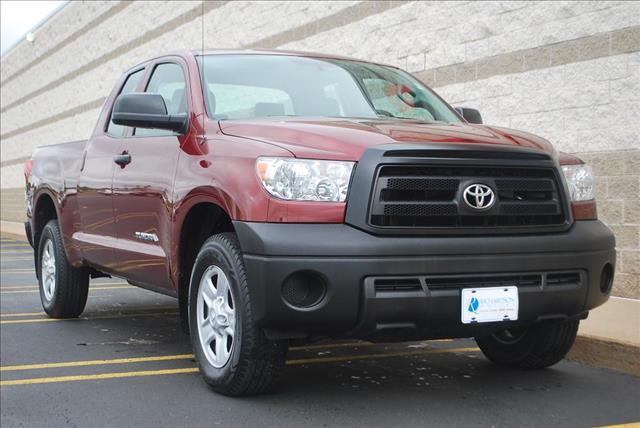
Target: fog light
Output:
{"points": [[303, 289], [606, 278]]}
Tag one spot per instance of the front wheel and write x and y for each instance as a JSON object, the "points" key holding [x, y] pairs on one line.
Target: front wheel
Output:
{"points": [[535, 347], [233, 353]]}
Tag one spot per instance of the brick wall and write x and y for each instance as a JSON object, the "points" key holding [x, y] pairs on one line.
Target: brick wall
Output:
{"points": [[569, 71]]}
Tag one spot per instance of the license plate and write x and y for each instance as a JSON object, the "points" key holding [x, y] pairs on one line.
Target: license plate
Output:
{"points": [[489, 304]]}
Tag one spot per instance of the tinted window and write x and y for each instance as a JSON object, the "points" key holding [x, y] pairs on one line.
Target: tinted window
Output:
{"points": [[130, 85], [167, 80]]}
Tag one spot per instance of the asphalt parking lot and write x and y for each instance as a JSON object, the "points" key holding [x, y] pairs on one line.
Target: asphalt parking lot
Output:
{"points": [[125, 362]]}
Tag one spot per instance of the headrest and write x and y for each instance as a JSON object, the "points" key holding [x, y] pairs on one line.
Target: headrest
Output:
{"points": [[178, 102], [212, 101]]}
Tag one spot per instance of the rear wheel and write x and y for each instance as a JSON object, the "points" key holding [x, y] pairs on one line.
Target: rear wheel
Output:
{"points": [[234, 356], [63, 288], [535, 347]]}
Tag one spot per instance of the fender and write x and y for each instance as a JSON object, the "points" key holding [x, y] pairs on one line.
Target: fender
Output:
{"points": [[198, 195], [60, 204]]}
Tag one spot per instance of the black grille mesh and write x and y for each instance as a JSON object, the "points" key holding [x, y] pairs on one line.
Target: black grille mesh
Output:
{"points": [[420, 210], [429, 196]]}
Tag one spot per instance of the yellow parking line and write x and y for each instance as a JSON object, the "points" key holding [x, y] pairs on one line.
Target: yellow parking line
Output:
{"points": [[97, 376], [96, 362], [35, 320], [629, 425], [23, 314], [116, 375], [35, 286], [83, 363], [380, 355], [22, 287], [129, 315], [330, 345], [90, 289], [358, 343]]}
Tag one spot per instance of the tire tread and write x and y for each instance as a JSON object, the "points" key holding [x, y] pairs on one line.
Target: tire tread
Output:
{"points": [[72, 286], [542, 346], [260, 368]]}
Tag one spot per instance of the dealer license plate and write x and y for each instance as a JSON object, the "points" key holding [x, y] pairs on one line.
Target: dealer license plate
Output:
{"points": [[489, 304]]}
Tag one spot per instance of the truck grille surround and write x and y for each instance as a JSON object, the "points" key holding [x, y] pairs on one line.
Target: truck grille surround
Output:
{"points": [[431, 196], [419, 192]]}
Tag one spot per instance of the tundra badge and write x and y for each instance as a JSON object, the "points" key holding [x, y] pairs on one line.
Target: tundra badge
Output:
{"points": [[147, 236]]}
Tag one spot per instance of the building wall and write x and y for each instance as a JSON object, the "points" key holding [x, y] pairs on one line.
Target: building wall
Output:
{"points": [[568, 71]]}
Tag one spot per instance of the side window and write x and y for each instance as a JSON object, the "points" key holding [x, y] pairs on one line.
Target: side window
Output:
{"points": [[130, 85], [167, 80]]}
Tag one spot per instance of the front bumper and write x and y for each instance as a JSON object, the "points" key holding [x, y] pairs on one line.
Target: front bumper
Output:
{"points": [[347, 259]]}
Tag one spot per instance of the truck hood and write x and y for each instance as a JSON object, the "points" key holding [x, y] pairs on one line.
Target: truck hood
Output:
{"points": [[347, 139]]}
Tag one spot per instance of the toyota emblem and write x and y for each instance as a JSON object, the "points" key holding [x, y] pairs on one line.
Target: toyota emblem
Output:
{"points": [[479, 197]]}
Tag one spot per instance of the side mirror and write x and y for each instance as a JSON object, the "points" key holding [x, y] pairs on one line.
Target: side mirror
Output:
{"points": [[471, 115], [144, 110]]}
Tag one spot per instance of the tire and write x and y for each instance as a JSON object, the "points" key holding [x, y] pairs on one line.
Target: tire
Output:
{"points": [[535, 347], [243, 362], [63, 288]]}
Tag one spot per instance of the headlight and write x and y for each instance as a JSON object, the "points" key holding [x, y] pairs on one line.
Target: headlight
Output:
{"points": [[580, 181], [304, 179]]}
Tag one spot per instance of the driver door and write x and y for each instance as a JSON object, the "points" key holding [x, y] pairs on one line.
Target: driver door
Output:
{"points": [[143, 191]]}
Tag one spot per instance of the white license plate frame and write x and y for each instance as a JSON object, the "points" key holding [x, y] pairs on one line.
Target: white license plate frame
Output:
{"points": [[489, 304]]}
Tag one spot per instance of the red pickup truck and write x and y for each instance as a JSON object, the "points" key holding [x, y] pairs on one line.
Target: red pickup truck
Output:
{"points": [[287, 196]]}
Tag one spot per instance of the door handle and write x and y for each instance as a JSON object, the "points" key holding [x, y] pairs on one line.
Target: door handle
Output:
{"points": [[122, 159]]}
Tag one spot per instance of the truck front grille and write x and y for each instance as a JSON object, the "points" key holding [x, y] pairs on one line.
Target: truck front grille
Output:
{"points": [[426, 196]]}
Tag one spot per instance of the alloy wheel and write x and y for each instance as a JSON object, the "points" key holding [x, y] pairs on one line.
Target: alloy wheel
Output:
{"points": [[216, 316]]}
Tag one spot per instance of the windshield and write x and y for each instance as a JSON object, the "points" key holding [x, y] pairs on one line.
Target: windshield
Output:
{"points": [[253, 86]]}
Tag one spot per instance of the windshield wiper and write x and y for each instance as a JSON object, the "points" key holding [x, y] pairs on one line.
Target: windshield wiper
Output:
{"points": [[385, 114]]}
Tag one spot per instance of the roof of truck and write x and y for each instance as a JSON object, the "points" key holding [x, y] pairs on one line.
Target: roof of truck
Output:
{"points": [[199, 52]]}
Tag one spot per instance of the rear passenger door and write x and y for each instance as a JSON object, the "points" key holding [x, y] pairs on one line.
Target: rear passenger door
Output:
{"points": [[143, 188]]}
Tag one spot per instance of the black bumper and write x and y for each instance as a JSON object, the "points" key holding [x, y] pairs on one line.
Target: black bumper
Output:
{"points": [[348, 260]]}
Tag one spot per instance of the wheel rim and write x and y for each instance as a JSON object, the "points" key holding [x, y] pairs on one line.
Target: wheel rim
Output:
{"points": [[216, 317], [48, 270]]}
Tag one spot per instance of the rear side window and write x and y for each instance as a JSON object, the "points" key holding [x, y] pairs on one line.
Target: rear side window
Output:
{"points": [[130, 85], [167, 80]]}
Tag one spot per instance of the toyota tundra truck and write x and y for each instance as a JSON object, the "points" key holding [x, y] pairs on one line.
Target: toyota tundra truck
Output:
{"points": [[286, 196]]}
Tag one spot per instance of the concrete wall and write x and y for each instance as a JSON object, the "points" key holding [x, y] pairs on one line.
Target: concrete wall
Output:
{"points": [[569, 71]]}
